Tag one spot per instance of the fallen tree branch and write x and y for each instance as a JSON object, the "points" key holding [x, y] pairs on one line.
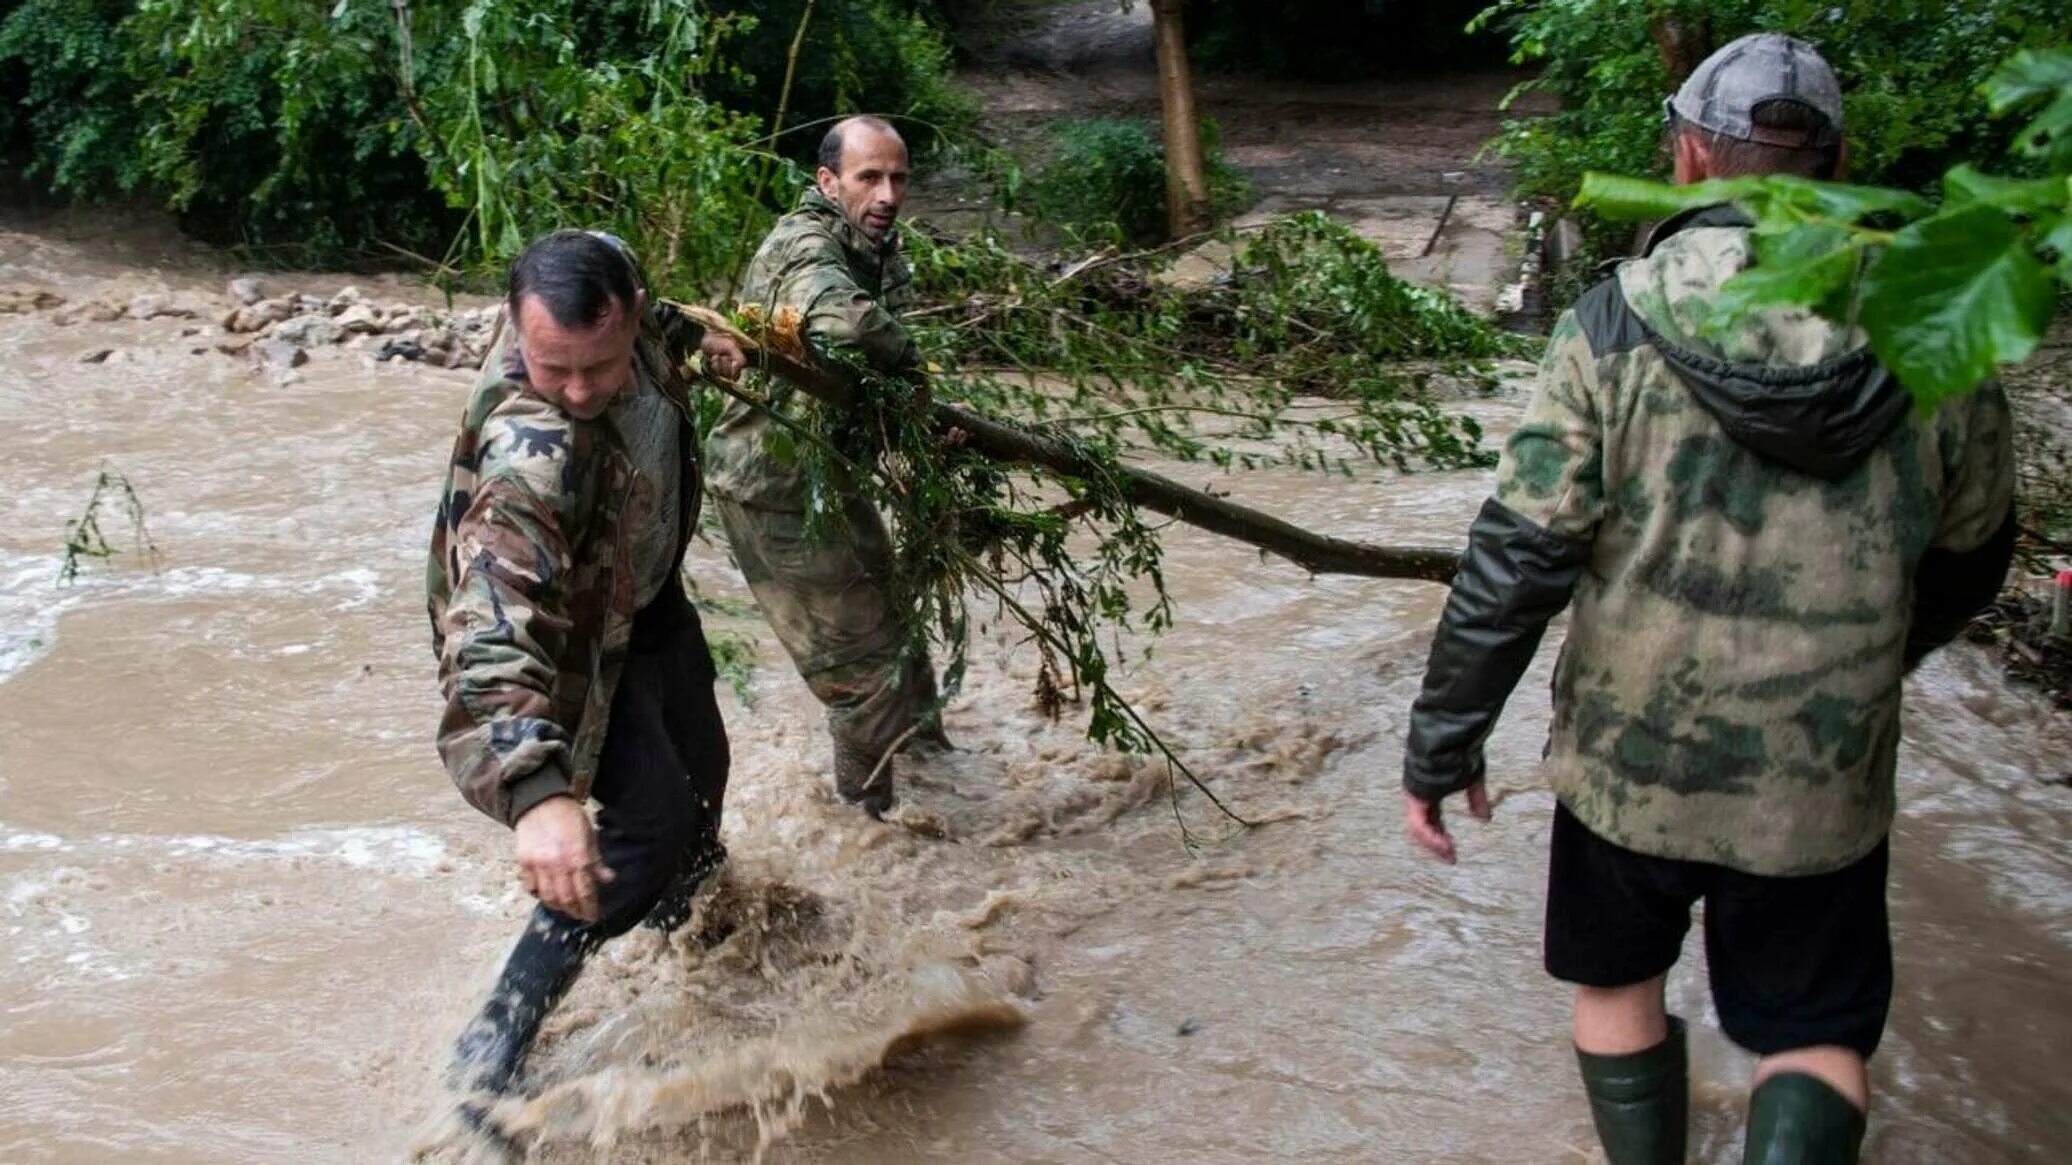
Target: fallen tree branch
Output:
{"points": [[1000, 441]]}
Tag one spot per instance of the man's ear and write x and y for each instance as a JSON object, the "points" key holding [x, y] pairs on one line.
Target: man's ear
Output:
{"points": [[640, 303], [830, 183], [1842, 161], [1693, 158]]}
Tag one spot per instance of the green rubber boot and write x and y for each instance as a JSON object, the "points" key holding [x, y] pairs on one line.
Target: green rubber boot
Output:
{"points": [[1796, 1119], [1641, 1101]]}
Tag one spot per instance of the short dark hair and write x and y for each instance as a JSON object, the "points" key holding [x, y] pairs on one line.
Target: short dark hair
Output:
{"points": [[831, 143], [577, 276], [1781, 118]]}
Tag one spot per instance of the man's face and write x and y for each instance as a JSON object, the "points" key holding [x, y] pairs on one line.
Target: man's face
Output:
{"points": [[873, 181], [580, 369]]}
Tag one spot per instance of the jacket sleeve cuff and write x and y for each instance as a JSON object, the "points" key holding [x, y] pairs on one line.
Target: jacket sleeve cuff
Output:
{"points": [[549, 780], [1427, 781]]}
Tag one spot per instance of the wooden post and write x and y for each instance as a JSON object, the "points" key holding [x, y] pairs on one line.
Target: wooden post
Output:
{"points": [[1187, 185]]}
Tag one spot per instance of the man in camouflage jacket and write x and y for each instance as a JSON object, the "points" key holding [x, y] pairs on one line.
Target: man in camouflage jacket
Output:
{"points": [[572, 664], [1759, 535], [821, 580]]}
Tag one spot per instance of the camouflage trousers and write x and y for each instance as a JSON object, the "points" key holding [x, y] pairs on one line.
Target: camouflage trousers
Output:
{"points": [[825, 596]]}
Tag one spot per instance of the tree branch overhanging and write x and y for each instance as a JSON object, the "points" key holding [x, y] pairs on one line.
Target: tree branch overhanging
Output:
{"points": [[1012, 444]]}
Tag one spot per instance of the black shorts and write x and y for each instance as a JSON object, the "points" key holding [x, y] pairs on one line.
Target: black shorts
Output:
{"points": [[1795, 962]]}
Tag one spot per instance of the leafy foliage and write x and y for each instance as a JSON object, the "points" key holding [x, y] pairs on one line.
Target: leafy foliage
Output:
{"points": [[1956, 292], [1115, 358], [84, 537], [1108, 180], [527, 133], [1910, 73], [338, 126], [880, 56], [61, 88], [1123, 356]]}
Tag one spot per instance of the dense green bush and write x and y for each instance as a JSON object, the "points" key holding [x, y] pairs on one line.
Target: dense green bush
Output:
{"points": [[881, 56], [1910, 70], [63, 84], [335, 127], [1108, 180]]}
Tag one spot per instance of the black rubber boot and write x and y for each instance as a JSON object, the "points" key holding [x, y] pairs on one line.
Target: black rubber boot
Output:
{"points": [[673, 908], [1640, 1101], [1796, 1119], [853, 768], [542, 967]]}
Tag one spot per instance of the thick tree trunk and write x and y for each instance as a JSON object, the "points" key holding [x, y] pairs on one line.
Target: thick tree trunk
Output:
{"points": [[1683, 40], [1317, 553], [1187, 185]]}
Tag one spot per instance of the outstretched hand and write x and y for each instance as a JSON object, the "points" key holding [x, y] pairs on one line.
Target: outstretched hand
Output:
{"points": [[557, 857], [1427, 822]]}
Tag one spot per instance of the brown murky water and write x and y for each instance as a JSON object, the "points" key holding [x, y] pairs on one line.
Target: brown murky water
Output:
{"points": [[244, 912]]}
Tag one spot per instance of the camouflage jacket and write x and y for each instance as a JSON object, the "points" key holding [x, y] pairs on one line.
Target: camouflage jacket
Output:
{"points": [[529, 582], [848, 292], [1760, 535]]}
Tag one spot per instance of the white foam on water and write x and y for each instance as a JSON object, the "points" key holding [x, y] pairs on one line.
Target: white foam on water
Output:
{"points": [[31, 601], [397, 850]]}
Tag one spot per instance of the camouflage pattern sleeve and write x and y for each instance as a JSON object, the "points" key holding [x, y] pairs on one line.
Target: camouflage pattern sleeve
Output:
{"points": [[1526, 551], [1979, 470], [506, 623], [1966, 563], [839, 312], [1552, 472]]}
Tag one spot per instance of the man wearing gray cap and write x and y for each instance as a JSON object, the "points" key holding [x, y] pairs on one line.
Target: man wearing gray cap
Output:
{"points": [[1760, 536]]}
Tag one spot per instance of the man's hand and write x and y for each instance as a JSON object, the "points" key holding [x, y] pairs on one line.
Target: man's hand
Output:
{"points": [[1428, 826], [557, 857], [723, 356]]}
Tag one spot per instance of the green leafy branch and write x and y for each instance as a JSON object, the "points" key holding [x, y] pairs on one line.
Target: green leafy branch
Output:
{"points": [[1946, 293], [86, 539]]}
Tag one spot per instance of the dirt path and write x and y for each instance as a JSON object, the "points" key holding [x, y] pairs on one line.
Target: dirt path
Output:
{"points": [[1396, 157]]}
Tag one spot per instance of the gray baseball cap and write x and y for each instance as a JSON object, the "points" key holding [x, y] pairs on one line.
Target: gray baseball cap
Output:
{"points": [[1723, 92]]}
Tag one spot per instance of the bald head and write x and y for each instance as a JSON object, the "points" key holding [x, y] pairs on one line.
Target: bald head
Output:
{"points": [[863, 170]]}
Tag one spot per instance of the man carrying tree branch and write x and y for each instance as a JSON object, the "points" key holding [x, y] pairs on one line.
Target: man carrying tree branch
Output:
{"points": [[1761, 536], [572, 664], [817, 557]]}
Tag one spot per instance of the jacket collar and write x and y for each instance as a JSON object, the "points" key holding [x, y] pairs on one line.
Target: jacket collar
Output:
{"points": [[1719, 214], [853, 240]]}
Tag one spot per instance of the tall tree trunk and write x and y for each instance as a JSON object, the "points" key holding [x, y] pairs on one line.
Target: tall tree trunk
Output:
{"points": [[1187, 187], [1683, 40]]}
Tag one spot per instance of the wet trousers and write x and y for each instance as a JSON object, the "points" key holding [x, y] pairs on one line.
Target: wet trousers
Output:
{"points": [[826, 597], [661, 781]]}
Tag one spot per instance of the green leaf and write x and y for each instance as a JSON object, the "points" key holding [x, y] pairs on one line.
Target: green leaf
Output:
{"points": [[1811, 266], [1966, 184], [1778, 203], [2028, 76], [2059, 238], [1951, 298], [1628, 199], [1842, 202]]}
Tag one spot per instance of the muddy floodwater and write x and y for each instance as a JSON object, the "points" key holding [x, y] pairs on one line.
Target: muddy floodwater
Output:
{"points": [[244, 912]]}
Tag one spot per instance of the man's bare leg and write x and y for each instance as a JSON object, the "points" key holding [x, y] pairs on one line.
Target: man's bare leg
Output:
{"points": [[1631, 1054]]}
